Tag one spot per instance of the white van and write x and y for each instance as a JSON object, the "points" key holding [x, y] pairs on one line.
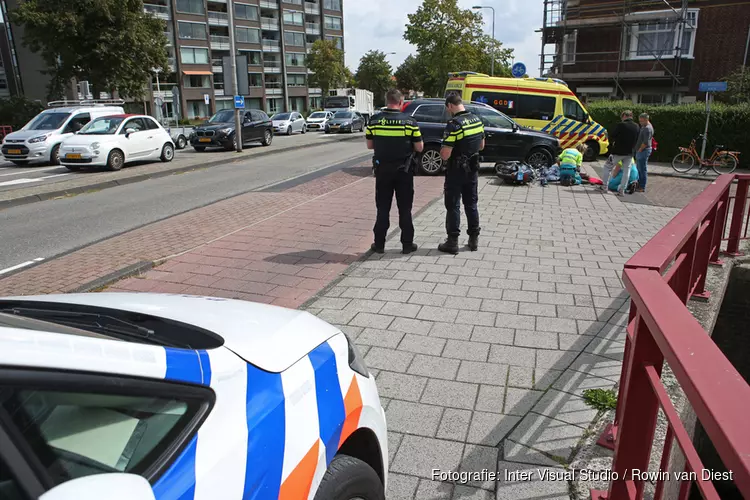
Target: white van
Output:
{"points": [[40, 139]]}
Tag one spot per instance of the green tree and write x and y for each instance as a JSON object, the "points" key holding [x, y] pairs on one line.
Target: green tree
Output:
{"points": [[113, 44], [375, 74], [738, 87], [449, 38], [327, 65], [408, 75], [17, 111]]}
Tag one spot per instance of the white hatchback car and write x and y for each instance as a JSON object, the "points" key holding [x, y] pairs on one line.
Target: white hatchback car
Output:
{"points": [[318, 120], [112, 141], [165, 397]]}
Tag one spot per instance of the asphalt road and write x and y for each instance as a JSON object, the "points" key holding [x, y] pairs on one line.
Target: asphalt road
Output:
{"points": [[14, 177], [43, 230]]}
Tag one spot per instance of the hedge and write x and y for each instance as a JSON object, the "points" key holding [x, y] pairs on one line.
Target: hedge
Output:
{"points": [[675, 126]]}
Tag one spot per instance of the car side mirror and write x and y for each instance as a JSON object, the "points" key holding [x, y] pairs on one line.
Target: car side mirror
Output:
{"points": [[114, 486], [129, 131], [515, 127]]}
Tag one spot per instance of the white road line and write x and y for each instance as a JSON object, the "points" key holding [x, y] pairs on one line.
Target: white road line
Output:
{"points": [[26, 181], [19, 266], [19, 171]]}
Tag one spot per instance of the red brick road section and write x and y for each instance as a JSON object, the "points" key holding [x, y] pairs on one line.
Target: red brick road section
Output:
{"points": [[286, 259]]}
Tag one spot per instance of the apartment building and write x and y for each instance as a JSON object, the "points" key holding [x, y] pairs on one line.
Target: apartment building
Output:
{"points": [[275, 35], [647, 51]]}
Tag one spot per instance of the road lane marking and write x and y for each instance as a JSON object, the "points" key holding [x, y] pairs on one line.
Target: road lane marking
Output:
{"points": [[26, 181], [20, 266], [19, 171]]}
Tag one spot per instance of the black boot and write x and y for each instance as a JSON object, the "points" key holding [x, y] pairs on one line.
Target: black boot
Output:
{"points": [[409, 248], [450, 245], [377, 249], [473, 242]]}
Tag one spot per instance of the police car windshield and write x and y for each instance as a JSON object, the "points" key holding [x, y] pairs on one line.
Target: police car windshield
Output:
{"points": [[224, 116], [343, 114], [48, 121]]}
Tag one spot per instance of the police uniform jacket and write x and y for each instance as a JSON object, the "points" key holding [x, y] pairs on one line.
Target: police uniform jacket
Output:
{"points": [[393, 134], [464, 133]]}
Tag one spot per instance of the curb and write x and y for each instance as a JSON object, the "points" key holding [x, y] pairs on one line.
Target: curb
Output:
{"points": [[25, 200], [125, 272]]}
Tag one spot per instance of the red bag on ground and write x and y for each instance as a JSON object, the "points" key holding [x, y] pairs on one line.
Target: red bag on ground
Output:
{"points": [[595, 180]]}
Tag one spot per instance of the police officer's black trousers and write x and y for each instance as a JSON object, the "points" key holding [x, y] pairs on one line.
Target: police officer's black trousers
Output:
{"points": [[460, 184], [388, 180]]}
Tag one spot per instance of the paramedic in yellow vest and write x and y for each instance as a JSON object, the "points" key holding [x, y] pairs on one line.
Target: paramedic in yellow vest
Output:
{"points": [[570, 162]]}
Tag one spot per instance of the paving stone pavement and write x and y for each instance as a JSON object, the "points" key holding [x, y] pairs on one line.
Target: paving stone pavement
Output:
{"points": [[481, 358]]}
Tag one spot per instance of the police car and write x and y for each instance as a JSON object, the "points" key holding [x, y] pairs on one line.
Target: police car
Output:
{"points": [[145, 396]]}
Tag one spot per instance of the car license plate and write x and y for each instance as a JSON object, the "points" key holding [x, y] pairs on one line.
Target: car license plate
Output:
{"points": [[204, 139], [335, 126], [14, 151], [73, 156]]}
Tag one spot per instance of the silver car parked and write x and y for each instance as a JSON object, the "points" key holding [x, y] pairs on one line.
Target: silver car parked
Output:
{"points": [[288, 123]]}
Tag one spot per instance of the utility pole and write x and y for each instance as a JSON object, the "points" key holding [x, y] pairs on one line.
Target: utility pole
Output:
{"points": [[235, 83]]}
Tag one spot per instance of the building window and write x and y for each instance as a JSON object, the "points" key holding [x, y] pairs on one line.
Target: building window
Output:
{"points": [[293, 17], [569, 47], [253, 57], [247, 35], [295, 2], [294, 38], [661, 39], [315, 102], [273, 106], [295, 59], [197, 81], [197, 109], [224, 104], [194, 31], [338, 39], [297, 103], [190, 55], [191, 6], [296, 81], [332, 23], [255, 79], [332, 4], [653, 98], [246, 12]]}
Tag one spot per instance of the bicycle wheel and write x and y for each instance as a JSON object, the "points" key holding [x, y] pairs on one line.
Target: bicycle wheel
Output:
{"points": [[683, 162], [725, 164]]}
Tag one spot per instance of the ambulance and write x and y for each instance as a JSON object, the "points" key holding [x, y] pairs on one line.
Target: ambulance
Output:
{"points": [[544, 104]]}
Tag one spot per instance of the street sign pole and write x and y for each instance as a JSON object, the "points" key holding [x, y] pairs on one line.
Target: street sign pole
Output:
{"points": [[235, 85]]}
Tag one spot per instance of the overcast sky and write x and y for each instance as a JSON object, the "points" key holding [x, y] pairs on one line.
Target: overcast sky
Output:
{"points": [[379, 24]]}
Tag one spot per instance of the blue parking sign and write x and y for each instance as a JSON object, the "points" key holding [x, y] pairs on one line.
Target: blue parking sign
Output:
{"points": [[239, 102]]}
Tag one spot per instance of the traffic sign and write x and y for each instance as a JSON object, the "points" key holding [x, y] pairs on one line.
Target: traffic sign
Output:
{"points": [[519, 70], [207, 98], [239, 102], [712, 87]]}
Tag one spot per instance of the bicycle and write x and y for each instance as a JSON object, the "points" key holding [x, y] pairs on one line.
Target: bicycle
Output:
{"points": [[721, 160]]}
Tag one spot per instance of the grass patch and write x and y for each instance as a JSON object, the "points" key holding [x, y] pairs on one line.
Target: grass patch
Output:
{"points": [[601, 399]]}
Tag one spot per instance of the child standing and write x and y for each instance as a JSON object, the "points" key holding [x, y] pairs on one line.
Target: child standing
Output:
{"points": [[570, 162]]}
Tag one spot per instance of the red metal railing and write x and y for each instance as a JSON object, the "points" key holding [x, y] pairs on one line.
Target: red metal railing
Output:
{"points": [[661, 277], [5, 130]]}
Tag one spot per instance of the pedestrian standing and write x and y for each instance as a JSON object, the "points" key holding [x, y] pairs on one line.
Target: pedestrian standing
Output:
{"points": [[463, 139], [395, 139], [643, 150], [622, 148]]}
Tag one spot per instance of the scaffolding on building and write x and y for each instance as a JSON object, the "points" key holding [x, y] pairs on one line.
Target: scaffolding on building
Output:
{"points": [[563, 19]]}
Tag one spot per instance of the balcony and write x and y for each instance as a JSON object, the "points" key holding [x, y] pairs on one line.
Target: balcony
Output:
{"points": [[272, 66], [160, 11], [218, 18], [219, 42], [269, 23], [273, 88], [269, 4], [312, 28], [271, 45], [218, 1], [312, 8], [314, 91]]}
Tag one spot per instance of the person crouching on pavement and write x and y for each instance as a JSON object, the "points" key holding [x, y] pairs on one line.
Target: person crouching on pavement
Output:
{"points": [[396, 139], [615, 182], [570, 162]]}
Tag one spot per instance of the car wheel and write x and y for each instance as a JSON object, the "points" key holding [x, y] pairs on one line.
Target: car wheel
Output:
{"points": [[19, 163], [267, 138], [431, 163], [54, 156], [116, 160], [167, 153], [350, 478], [304, 129], [232, 145], [181, 142], [73, 168], [200, 149], [289, 130], [592, 153], [539, 157]]}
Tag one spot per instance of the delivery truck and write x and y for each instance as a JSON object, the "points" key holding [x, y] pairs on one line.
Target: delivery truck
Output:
{"points": [[358, 100]]}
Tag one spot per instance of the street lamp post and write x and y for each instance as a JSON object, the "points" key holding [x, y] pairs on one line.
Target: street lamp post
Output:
{"points": [[477, 7]]}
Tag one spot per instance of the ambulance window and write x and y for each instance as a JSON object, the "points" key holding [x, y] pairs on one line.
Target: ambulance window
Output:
{"points": [[501, 101], [535, 107], [573, 110]]}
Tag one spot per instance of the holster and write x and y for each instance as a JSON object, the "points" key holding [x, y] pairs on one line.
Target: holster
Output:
{"points": [[409, 164], [468, 163]]}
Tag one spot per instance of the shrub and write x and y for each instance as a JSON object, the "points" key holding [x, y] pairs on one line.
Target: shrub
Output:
{"points": [[18, 111], [677, 125], [600, 399]]}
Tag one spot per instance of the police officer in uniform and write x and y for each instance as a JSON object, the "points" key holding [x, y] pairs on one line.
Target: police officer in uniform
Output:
{"points": [[396, 139], [463, 139]]}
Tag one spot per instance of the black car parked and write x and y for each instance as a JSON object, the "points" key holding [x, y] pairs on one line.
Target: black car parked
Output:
{"points": [[506, 140], [219, 130], [345, 121]]}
